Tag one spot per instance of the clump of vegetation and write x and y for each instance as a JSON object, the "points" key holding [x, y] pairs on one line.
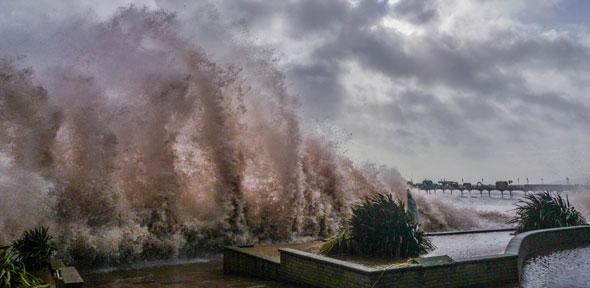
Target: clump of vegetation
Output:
{"points": [[13, 272], [339, 243], [545, 210], [379, 227], [34, 248]]}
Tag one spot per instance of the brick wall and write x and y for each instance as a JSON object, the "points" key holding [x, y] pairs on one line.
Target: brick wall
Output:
{"points": [[319, 271], [239, 261], [475, 272]]}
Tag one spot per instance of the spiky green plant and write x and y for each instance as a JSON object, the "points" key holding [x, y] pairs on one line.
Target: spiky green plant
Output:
{"points": [[545, 210], [339, 242], [34, 248], [380, 227], [13, 272]]}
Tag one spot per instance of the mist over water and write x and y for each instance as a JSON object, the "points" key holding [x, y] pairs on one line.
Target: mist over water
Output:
{"points": [[140, 147]]}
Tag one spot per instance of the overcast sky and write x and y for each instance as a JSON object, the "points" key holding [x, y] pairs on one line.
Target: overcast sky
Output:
{"points": [[437, 88]]}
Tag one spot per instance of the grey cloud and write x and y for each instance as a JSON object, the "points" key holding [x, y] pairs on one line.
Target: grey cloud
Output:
{"points": [[313, 17], [417, 119], [416, 11], [450, 126], [476, 109], [319, 85], [561, 111], [319, 81]]}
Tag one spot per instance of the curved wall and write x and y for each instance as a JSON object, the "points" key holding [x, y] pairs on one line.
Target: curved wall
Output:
{"points": [[314, 270], [538, 242]]}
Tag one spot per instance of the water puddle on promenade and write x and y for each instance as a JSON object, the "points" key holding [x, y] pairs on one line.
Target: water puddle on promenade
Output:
{"points": [[567, 268]]}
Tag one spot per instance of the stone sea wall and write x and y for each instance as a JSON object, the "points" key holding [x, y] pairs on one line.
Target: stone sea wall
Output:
{"points": [[494, 270]]}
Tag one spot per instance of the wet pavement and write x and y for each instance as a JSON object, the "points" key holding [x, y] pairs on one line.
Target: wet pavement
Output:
{"points": [[204, 274], [470, 245]]}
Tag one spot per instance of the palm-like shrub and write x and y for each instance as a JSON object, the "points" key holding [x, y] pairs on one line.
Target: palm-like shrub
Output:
{"points": [[34, 248], [339, 243], [13, 273], [380, 227], [545, 210]]}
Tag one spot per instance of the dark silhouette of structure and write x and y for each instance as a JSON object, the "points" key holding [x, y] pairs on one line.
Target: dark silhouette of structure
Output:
{"points": [[430, 186]]}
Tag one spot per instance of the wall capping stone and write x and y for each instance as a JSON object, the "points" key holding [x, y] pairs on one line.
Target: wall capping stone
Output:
{"points": [[460, 232], [516, 241], [246, 252], [329, 260]]}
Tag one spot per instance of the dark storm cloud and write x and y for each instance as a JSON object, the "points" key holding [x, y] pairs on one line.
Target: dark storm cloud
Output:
{"points": [[418, 119], [450, 125], [484, 76], [251, 14], [320, 83], [469, 94], [448, 74], [312, 17], [341, 24], [558, 109]]}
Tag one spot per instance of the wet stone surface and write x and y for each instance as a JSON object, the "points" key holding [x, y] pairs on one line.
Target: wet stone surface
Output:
{"points": [[199, 275], [470, 245]]}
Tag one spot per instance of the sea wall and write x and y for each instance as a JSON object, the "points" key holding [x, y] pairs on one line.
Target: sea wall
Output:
{"points": [[315, 270], [241, 262], [475, 272], [319, 271], [538, 242]]}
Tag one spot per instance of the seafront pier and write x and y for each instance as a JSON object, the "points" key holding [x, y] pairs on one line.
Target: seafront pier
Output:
{"points": [[430, 186]]}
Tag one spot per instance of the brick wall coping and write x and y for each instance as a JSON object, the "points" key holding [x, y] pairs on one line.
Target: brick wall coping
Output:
{"points": [[370, 270], [473, 260], [514, 246], [330, 261], [460, 232], [244, 251]]}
